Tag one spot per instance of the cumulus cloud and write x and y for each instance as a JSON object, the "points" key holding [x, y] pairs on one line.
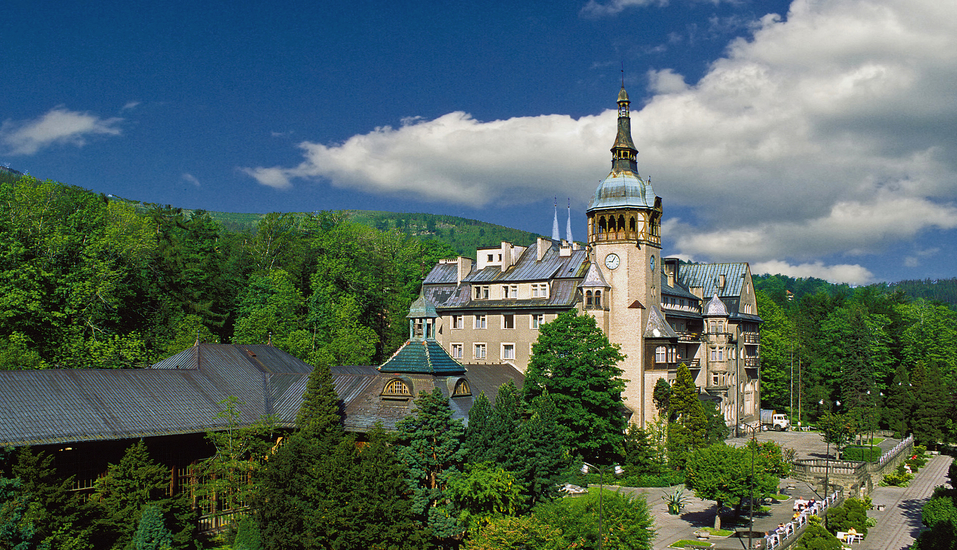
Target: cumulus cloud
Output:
{"points": [[58, 126], [843, 273], [460, 160], [831, 131]]}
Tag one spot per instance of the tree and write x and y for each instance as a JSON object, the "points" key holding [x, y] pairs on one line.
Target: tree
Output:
{"points": [[516, 533], [662, 398], [320, 411], [576, 364], [626, 521], [688, 427], [543, 447], [127, 489], [430, 444], [484, 491], [641, 455], [899, 405], [816, 537], [934, 405], [776, 345], [724, 474], [716, 428], [836, 429], [152, 533]]}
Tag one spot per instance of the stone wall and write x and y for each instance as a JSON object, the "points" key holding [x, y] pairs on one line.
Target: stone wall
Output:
{"points": [[856, 479]]}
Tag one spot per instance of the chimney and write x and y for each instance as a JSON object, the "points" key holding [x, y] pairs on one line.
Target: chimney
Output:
{"points": [[506, 256], [463, 268], [541, 249]]}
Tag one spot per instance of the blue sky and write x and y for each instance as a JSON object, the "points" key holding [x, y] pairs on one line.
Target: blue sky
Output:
{"points": [[813, 138]]}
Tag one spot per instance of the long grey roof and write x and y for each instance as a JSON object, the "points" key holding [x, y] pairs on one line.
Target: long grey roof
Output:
{"points": [[708, 277], [182, 394]]}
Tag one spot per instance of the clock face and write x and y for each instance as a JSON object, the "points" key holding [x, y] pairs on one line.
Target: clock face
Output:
{"points": [[612, 261], [652, 263]]}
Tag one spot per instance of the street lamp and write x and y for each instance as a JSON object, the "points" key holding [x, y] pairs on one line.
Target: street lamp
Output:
{"points": [[827, 458], [754, 444], [601, 489]]}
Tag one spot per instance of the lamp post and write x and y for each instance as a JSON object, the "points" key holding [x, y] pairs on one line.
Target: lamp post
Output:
{"points": [[601, 489], [754, 443], [829, 430]]}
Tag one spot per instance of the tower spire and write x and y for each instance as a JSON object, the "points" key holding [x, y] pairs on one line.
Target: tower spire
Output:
{"points": [[556, 235], [568, 225]]}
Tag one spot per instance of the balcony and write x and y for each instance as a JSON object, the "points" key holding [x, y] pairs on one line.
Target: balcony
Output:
{"points": [[752, 338]]}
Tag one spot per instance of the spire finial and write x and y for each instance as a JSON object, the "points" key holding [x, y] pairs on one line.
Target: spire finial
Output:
{"points": [[568, 225], [556, 234]]}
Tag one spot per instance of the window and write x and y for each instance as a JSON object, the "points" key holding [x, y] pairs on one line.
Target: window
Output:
{"points": [[538, 319], [714, 354], [597, 298], [397, 388], [720, 354], [508, 351], [589, 298], [461, 388], [661, 354], [509, 291], [508, 320], [480, 322], [480, 292], [714, 327], [458, 321], [539, 290], [457, 351], [480, 351]]}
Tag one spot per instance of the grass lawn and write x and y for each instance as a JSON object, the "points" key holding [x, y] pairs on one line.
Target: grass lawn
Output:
{"points": [[690, 544], [717, 532]]}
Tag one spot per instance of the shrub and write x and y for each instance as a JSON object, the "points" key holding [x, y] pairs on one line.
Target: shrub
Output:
{"points": [[853, 513], [862, 453]]}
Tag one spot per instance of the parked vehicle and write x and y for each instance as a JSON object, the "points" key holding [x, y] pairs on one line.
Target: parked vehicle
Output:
{"points": [[774, 420]]}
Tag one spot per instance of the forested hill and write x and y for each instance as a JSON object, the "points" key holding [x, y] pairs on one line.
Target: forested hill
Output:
{"points": [[777, 287], [92, 280], [462, 234]]}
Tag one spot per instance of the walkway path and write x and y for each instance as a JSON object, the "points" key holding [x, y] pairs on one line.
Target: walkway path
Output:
{"points": [[899, 523]]}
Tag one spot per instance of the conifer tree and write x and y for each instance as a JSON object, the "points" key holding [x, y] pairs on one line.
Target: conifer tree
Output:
{"points": [[477, 435], [431, 446], [320, 411], [574, 361], [899, 403], [152, 533], [688, 428], [542, 445], [933, 405]]}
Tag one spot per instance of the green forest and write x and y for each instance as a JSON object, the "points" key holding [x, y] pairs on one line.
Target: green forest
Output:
{"points": [[90, 281]]}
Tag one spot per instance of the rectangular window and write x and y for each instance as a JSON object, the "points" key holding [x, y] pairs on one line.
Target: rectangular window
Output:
{"points": [[457, 351], [720, 354], [714, 355], [508, 320], [509, 291], [538, 319], [480, 322], [480, 292], [539, 290], [508, 351], [458, 321], [480, 351], [661, 354]]}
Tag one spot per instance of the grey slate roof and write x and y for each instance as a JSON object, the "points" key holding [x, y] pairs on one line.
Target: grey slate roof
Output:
{"points": [[181, 395], [657, 327], [715, 308]]}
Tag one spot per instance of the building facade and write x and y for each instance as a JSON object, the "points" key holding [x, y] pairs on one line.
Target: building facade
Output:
{"points": [[661, 311]]}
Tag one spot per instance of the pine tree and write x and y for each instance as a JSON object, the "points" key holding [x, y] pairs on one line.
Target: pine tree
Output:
{"points": [[688, 429], [899, 403], [933, 405], [574, 361], [542, 446], [477, 435], [152, 533], [430, 443], [320, 411]]}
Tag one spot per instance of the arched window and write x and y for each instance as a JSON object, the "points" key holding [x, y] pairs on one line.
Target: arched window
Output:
{"points": [[621, 223], [631, 224], [461, 388], [597, 298], [396, 388], [602, 227], [588, 298]]}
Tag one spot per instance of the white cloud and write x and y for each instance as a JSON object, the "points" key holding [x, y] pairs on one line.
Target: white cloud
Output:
{"points": [[130, 105], [832, 131], [845, 273], [58, 126], [191, 179], [614, 7]]}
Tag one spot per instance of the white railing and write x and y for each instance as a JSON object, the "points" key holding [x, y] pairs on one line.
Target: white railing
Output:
{"points": [[897, 448], [781, 535]]}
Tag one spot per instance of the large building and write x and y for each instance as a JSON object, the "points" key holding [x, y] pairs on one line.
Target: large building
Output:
{"points": [[661, 311]]}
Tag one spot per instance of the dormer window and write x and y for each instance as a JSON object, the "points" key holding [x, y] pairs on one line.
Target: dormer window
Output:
{"points": [[397, 388], [462, 389]]}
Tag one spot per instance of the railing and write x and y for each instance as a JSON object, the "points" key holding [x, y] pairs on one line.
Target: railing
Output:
{"points": [[897, 448], [793, 528], [752, 362], [751, 338]]}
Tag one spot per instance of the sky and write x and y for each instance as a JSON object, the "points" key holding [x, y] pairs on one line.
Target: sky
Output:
{"points": [[809, 138]]}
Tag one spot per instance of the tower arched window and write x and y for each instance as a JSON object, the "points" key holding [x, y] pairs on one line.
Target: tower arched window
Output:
{"points": [[631, 224], [588, 298], [602, 227], [461, 388], [621, 223], [597, 298]]}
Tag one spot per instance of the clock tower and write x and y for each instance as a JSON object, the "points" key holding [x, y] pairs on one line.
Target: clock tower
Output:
{"points": [[624, 235]]}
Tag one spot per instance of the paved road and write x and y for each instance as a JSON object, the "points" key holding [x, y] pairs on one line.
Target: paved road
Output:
{"points": [[899, 524]]}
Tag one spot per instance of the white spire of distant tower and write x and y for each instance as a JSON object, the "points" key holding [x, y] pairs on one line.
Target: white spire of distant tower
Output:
{"points": [[556, 234], [568, 226]]}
